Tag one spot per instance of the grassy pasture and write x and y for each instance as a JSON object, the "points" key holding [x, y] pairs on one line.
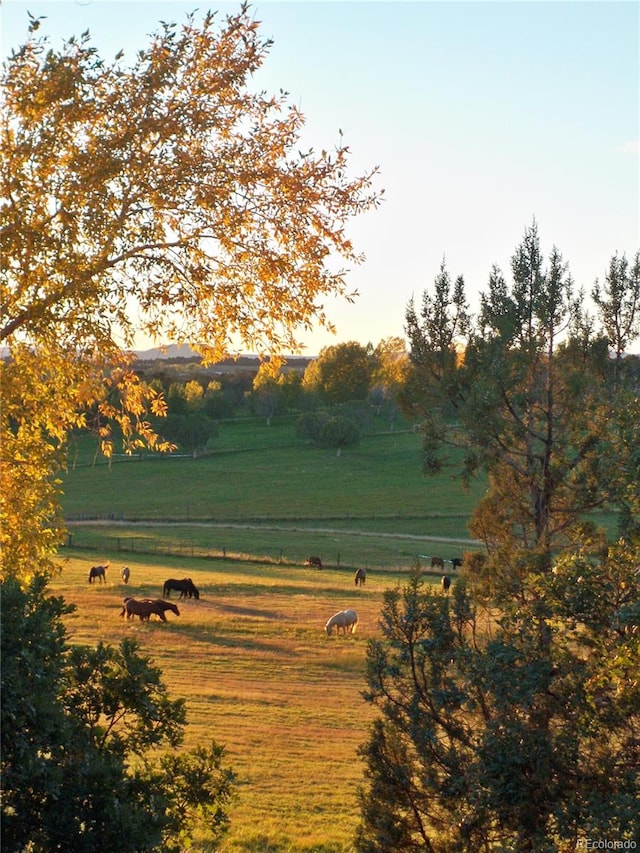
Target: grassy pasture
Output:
{"points": [[381, 477], [338, 548], [261, 677], [251, 657], [272, 500]]}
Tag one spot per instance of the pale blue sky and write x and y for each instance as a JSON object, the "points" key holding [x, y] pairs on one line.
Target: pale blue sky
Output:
{"points": [[480, 116]]}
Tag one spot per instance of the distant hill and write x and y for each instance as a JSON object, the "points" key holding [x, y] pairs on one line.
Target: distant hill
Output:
{"points": [[171, 351], [183, 354]]}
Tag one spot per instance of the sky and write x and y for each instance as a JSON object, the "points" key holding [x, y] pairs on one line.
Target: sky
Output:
{"points": [[481, 116]]}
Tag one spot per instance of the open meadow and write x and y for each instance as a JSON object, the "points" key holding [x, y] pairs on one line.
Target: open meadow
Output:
{"points": [[260, 676], [262, 493], [251, 657]]}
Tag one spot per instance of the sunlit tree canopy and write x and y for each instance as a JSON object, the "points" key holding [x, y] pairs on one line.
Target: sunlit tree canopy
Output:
{"points": [[168, 196]]}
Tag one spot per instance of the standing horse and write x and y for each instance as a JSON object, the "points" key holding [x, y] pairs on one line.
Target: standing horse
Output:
{"points": [[446, 583], [315, 562], [437, 561], [343, 619], [144, 607], [360, 577], [456, 562], [185, 587], [98, 572], [159, 606], [125, 574]]}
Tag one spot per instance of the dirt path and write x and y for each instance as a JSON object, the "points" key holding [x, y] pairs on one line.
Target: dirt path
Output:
{"points": [[278, 527]]}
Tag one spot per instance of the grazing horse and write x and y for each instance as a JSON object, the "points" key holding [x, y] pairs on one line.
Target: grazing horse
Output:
{"points": [[98, 572], [456, 562], [185, 587], [144, 607], [446, 582], [125, 574], [344, 619], [315, 562], [160, 604], [360, 577], [437, 561]]}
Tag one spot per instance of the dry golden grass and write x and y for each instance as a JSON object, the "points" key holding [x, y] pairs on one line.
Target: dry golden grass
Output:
{"points": [[261, 677]]}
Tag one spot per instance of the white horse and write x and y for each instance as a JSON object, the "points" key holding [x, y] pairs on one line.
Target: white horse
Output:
{"points": [[344, 619]]}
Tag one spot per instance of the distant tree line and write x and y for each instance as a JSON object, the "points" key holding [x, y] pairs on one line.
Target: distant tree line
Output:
{"points": [[348, 388]]}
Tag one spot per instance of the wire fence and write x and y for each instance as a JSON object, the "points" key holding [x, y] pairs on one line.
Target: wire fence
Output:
{"points": [[348, 556]]}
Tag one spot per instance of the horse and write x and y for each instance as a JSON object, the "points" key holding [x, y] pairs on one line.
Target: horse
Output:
{"points": [[162, 605], [98, 572], [360, 577], [456, 562], [144, 607], [344, 619], [315, 562], [437, 561], [125, 574], [446, 582], [185, 587]]}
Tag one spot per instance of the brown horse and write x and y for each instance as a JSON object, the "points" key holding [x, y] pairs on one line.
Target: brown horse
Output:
{"points": [[161, 604], [437, 562], [360, 577], [315, 562], [125, 574], [446, 583], [144, 607], [98, 572], [185, 587]]}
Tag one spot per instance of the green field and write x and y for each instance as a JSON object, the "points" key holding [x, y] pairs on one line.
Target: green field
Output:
{"points": [[251, 657], [262, 494]]}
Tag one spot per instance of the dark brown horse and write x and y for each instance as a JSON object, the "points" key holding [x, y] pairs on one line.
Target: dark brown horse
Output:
{"points": [[185, 587], [360, 577], [315, 562], [144, 607], [446, 583], [161, 604], [98, 572], [437, 562]]}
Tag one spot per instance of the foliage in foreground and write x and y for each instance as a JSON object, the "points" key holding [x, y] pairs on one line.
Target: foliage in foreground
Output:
{"points": [[79, 730], [508, 738], [510, 714]]}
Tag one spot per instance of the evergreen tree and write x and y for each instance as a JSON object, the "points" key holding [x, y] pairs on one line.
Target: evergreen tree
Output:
{"points": [[78, 727], [510, 711]]}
